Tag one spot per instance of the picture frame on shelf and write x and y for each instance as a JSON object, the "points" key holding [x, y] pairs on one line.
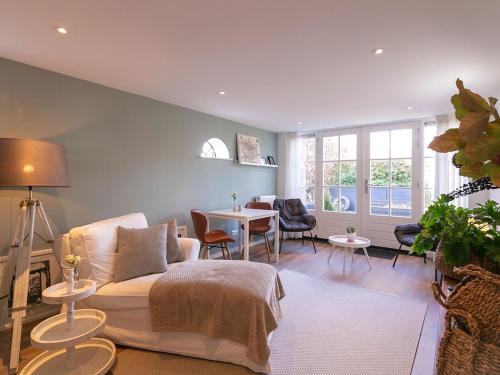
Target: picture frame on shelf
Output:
{"points": [[248, 149], [270, 160]]}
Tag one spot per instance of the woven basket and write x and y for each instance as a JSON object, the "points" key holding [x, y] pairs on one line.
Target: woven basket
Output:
{"points": [[447, 269], [471, 342]]}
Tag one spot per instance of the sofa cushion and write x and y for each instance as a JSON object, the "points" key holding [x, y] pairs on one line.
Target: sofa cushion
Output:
{"points": [[173, 247], [96, 244], [141, 252]]}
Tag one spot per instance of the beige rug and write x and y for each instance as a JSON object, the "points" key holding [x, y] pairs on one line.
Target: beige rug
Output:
{"points": [[328, 328]]}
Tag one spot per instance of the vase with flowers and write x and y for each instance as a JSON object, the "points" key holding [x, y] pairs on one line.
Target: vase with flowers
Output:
{"points": [[70, 270], [234, 195]]}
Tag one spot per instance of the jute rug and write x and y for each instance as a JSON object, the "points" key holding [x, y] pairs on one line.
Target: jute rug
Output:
{"points": [[327, 328]]}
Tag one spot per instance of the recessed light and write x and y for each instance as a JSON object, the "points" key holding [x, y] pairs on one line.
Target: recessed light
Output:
{"points": [[378, 51], [299, 123], [61, 30], [222, 93], [409, 108]]}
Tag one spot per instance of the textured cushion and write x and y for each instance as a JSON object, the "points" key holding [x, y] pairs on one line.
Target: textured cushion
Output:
{"points": [[173, 247], [140, 252], [96, 243]]}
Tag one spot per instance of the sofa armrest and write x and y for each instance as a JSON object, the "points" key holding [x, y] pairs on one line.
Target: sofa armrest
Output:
{"points": [[190, 249]]}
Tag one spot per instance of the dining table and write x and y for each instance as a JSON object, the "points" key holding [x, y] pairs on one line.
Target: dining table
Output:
{"points": [[245, 216]]}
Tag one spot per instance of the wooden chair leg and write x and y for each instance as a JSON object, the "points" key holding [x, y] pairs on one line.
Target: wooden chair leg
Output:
{"points": [[228, 252], [268, 246]]}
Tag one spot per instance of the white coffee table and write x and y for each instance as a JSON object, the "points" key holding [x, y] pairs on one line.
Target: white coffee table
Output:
{"points": [[342, 242]]}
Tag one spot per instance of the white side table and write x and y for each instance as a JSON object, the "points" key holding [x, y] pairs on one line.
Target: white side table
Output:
{"points": [[68, 338], [342, 242]]}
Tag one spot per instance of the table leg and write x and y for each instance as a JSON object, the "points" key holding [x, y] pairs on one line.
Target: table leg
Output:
{"points": [[331, 253], [240, 239], [345, 250], [246, 239], [367, 257], [277, 237]]}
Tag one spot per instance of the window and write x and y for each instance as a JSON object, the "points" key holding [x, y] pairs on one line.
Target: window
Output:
{"points": [[214, 148], [339, 173], [390, 172], [308, 175], [429, 191]]}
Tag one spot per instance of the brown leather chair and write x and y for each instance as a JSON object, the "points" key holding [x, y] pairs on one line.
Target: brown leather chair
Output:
{"points": [[260, 226], [214, 238]]}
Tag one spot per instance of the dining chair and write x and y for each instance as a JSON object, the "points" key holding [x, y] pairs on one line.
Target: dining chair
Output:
{"points": [[260, 226], [214, 238]]}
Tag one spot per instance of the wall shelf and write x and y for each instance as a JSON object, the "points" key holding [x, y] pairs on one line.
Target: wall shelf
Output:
{"points": [[258, 165], [227, 159]]}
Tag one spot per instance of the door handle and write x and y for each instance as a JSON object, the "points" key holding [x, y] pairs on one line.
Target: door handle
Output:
{"points": [[367, 186]]}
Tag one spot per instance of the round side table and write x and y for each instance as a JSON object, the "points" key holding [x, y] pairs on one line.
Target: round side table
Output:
{"points": [[342, 242]]}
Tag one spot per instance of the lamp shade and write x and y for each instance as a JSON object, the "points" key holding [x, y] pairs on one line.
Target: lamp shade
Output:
{"points": [[30, 162]]}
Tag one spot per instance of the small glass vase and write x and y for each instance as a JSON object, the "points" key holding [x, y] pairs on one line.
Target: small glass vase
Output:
{"points": [[235, 206]]}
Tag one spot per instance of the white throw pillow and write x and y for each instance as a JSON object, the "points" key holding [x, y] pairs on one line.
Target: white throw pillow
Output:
{"points": [[97, 244]]}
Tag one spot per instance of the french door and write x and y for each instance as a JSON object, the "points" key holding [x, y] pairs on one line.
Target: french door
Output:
{"points": [[368, 178], [391, 174]]}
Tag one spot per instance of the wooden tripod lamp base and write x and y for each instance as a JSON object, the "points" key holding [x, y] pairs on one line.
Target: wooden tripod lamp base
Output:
{"points": [[26, 163]]}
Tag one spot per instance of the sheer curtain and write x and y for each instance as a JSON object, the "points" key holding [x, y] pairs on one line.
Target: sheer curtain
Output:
{"points": [[290, 178], [447, 176]]}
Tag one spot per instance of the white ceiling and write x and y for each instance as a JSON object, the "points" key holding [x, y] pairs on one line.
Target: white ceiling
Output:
{"points": [[280, 61]]}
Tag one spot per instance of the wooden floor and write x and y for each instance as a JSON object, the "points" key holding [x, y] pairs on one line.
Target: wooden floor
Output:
{"points": [[411, 278]]}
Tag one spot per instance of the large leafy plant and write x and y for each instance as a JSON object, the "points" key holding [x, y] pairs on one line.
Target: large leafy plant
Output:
{"points": [[477, 139], [465, 234]]}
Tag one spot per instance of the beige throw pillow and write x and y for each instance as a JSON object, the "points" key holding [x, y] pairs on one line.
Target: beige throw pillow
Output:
{"points": [[140, 252], [173, 247]]}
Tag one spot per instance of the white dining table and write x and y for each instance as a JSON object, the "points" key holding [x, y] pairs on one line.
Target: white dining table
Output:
{"points": [[244, 217]]}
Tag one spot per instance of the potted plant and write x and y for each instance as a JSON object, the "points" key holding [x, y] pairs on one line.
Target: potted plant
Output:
{"points": [[462, 235], [350, 233]]}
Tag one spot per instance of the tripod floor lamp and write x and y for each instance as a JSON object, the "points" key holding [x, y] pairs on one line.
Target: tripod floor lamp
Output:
{"points": [[26, 163]]}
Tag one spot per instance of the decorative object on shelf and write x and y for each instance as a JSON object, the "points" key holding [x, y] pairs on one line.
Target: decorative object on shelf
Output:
{"points": [[248, 149], [26, 163], [215, 148], [69, 338], [350, 233], [471, 341], [270, 160], [234, 195], [476, 142], [263, 161], [464, 235]]}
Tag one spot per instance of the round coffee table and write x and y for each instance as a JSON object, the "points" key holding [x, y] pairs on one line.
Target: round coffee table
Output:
{"points": [[342, 242]]}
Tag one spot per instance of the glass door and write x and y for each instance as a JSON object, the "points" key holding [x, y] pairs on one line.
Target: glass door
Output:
{"points": [[391, 189], [338, 190]]}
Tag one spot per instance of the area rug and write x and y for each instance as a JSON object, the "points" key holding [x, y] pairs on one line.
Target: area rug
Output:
{"points": [[377, 252], [328, 328]]}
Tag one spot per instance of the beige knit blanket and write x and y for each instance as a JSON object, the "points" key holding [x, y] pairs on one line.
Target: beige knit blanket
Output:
{"points": [[236, 300]]}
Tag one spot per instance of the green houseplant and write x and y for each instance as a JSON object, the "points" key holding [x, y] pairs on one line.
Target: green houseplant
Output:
{"points": [[464, 235], [467, 235]]}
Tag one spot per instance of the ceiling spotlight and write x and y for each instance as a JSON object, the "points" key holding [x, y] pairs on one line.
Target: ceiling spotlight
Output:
{"points": [[409, 108], [61, 30], [222, 93], [299, 123], [378, 51]]}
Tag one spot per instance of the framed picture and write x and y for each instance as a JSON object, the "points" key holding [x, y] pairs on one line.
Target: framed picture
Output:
{"points": [[248, 149], [270, 160]]}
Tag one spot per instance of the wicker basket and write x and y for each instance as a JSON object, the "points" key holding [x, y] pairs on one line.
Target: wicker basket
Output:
{"points": [[447, 269], [471, 342]]}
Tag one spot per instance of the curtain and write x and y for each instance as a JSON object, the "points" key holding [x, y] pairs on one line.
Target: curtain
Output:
{"points": [[290, 178], [447, 176]]}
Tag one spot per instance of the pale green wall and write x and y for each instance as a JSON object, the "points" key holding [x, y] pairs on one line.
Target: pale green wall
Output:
{"points": [[126, 153]]}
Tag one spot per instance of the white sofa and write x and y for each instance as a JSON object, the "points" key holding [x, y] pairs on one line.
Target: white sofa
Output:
{"points": [[126, 304]]}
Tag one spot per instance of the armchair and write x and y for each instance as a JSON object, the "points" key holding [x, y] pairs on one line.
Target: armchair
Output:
{"points": [[405, 235], [294, 218]]}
